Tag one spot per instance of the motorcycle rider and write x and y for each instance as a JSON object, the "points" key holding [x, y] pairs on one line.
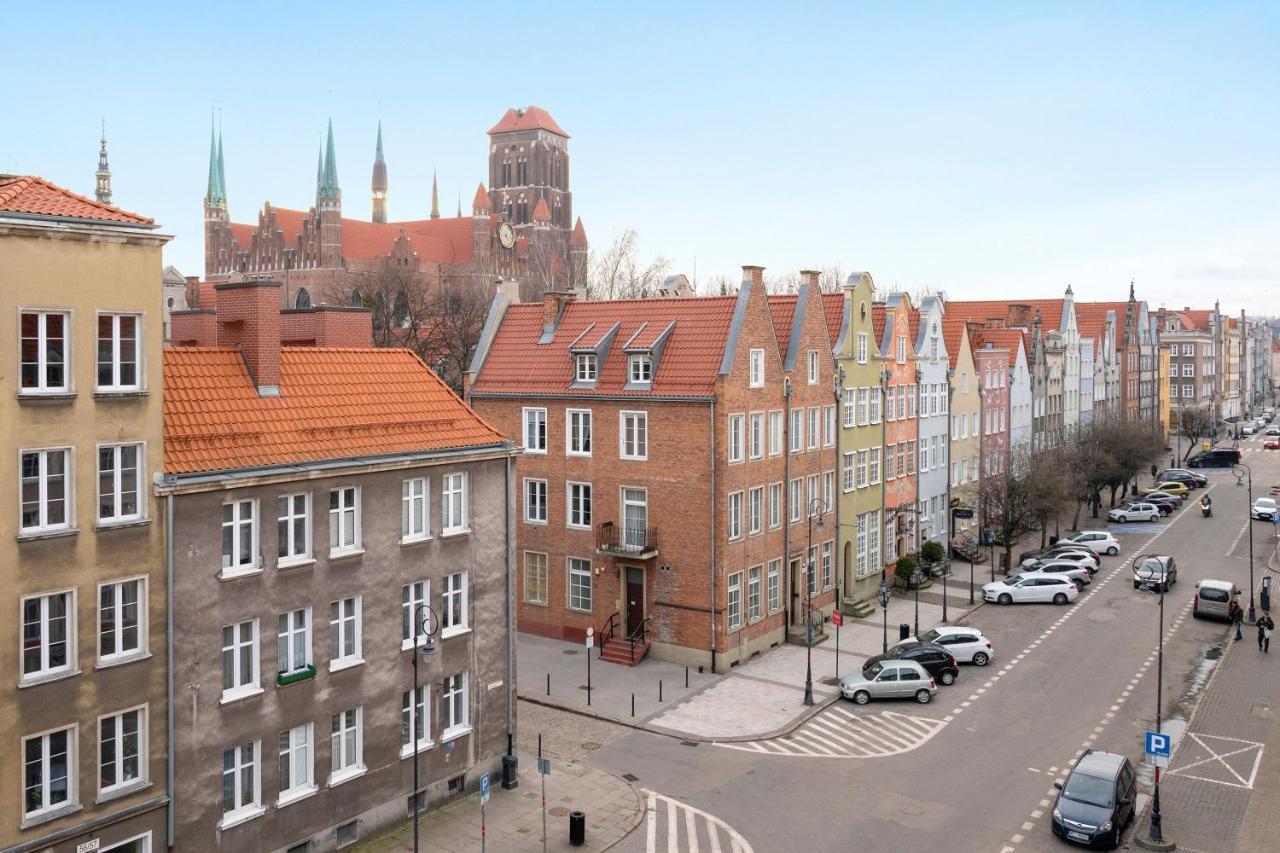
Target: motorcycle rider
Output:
{"points": [[1206, 505]]}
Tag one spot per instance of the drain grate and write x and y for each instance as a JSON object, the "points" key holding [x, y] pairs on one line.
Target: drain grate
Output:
{"points": [[589, 746], [688, 743], [631, 777]]}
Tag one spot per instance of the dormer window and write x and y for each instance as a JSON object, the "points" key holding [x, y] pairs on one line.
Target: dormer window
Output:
{"points": [[640, 368], [585, 367]]}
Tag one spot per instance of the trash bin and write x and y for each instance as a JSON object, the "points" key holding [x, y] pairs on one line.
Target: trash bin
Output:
{"points": [[510, 767], [1265, 596], [904, 630], [577, 828]]}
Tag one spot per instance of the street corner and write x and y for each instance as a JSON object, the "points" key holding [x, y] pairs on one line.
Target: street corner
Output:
{"points": [[739, 707]]}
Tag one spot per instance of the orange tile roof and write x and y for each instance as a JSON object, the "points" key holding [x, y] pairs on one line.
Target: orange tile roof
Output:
{"points": [[1050, 310], [579, 235], [1091, 318], [533, 118], [481, 199], [541, 213], [445, 241], [34, 195], [333, 404], [1006, 339], [953, 332], [690, 363], [782, 307], [878, 315], [1195, 319]]}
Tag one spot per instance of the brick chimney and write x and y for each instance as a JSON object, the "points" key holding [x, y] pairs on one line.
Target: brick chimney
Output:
{"points": [[249, 318], [1020, 315], [811, 277], [327, 326], [753, 274], [553, 305]]}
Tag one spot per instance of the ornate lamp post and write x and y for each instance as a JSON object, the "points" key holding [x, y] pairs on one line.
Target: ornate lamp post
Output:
{"points": [[882, 595], [427, 624], [1240, 478], [916, 578], [817, 507]]}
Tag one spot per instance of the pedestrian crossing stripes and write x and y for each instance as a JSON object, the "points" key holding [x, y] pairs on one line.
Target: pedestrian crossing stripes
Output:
{"points": [[676, 827], [840, 733]]}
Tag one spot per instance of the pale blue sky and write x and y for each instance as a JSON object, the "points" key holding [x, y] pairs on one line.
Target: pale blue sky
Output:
{"points": [[990, 150]]}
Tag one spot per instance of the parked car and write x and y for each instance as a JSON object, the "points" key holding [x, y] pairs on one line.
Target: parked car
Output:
{"points": [[1215, 600], [1058, 552], [1169, 487], [1075, 571], [1097, 541], [937, 661], [1219, 457], [1139, 511], [894, 679], [1271, 443], [1096, 803], [966, 645], [1264, 509], [1190, 479], [1272, 430], [1155, 572], [1034, 587], [1248, 429], [1080, 557], [1165, 503]]}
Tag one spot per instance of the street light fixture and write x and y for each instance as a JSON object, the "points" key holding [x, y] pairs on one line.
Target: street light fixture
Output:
{"points": [[1240, 478], [916, 578], [817, 507], [426, 624], [882, 595], [1156, 838]]}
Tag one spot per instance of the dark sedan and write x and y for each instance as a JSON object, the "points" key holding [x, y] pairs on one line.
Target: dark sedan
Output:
{"points": [[935, 659]]}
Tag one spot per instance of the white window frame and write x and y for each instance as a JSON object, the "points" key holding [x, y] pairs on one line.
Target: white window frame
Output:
{"points": [[454, 504], [755, 511], [813, 366], [248, 803], [796, 495], [756, 368], [733, 603], [848, 482], [346, 745], [455, 589], [585, 367], [579, 517], [796, 444], [43, 524], [829, 425], [240, 527], [640, 368], [121, 655], [755, 435], [828, 564], [243, 684], [829, 490], [737, 439], [348, 508], [415, 509], [140, 756], [848, 404], [775, 505], [774, 588], [415, 721], [455, 706], [289, 636], [42, 356], [815, 426], [576, 570], [542, 584], [346, 657], [633, 435], [860, 469], [535, 510], [755, 593], [117, 472], [413, 597], [535, 419], [733, 516], [775, 432], [72, 779], [862, 348], [45, 672], [291, 520], [873, 467], [577, 432], [296, 750], [116, 386]]}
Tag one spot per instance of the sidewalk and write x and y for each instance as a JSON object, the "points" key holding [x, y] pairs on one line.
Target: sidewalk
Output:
{"points": [[760, 698], [1224, 777]]}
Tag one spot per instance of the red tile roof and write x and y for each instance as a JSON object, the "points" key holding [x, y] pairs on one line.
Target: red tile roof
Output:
{"points": [[1195, 319], [541, 213], [533, 118], [878, 314], [333, 404], [481, 199], [1091, 317], [783, 308], [1050, 310], [34, 195], [444, 241], [953, 332], [1005, 339], [689, 366]]}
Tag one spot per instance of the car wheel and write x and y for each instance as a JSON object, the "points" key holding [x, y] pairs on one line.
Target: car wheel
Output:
{"points": [[1005, 598], [1122, 519], [1155, 517], [923, 696], [947, 678], [1112, 551], [1060, 598], [861, 697], [981, 659], [1195, 614]]}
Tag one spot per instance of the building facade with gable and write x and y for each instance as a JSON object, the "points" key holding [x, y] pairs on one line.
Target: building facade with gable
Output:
{"points": [[901, 381], [935, 370], [965, 412]]}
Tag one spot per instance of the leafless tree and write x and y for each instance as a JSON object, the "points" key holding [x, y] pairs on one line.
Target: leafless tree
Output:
{"points": [[1194, 423], [619, 273]]}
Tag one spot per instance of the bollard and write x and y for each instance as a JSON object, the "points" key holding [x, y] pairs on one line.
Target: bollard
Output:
{"points": [[686, 677], [548, 684], [659, 689], [633, 704]]}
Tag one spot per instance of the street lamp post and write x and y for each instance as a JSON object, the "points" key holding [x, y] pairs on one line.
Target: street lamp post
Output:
{"points": [[817, 507], [426, 624], [1156, 838], [916, 578], [882, 595], [1248, 473]]}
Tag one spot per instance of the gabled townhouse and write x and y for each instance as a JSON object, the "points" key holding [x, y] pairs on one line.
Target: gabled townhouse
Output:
{"points": [[1088, 375], [343, 499], [934, 367], [1194, 369], [83, 658], [900, 382], [861, 445], [1035, 403], [667, 473], [991, 361], [965, 414], [1098, 323]]}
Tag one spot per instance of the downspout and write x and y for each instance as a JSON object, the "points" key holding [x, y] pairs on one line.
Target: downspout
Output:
{"points": [[168, 596], [511, 611], [713, 537], [786, 490]]}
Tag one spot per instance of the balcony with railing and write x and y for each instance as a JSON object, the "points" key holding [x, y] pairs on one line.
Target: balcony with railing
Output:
{"points": [[637, 542]]}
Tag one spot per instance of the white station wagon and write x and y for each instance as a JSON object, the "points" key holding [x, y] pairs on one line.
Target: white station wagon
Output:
{"points": [[1097, 541], [1036, 587]]}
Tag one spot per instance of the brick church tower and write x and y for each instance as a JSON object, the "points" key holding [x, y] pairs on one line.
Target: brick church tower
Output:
{"points": [[329, 205], [529, 163], [218, 246]]}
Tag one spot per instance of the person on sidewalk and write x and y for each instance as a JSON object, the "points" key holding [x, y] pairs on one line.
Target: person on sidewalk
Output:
{"points": [[1237, 618], [1265, 627]]}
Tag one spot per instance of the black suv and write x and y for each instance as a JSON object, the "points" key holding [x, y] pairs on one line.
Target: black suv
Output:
{"points": [[1097, 801], [935, 659]]}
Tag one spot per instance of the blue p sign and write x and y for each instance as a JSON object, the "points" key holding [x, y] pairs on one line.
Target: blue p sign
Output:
{"points": [[1157, 744]]}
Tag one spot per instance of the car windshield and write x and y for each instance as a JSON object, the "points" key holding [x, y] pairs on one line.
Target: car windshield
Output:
{"points": [[872, 670], [1265, 503], [1150, 566], [930, 636], [1089, 789]]}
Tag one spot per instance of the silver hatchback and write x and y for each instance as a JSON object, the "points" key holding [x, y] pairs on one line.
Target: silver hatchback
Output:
{"points": [[890, 679]]}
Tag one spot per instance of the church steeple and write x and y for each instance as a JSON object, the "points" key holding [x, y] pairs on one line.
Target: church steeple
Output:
{"points": [[330, 194], [435, 197], [379, 184], [215, 195], [103, 188]]}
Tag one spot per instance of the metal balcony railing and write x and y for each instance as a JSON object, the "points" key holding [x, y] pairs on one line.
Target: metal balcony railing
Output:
{"points": [[626, 540]]}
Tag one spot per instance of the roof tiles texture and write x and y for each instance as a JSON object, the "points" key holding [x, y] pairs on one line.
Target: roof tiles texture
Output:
{"points": [[953, 331], [689, 365], [446, 241], [533, 118], [333, 404], [34, 195]]}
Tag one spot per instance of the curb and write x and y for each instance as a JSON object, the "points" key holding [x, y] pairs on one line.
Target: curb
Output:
{"points": [[642, 807]]}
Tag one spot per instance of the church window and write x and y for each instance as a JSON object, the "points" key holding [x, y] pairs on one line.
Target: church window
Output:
{"points": [[522, 172], [357, 299], [400, 311], [303, 299], [506, 173]]}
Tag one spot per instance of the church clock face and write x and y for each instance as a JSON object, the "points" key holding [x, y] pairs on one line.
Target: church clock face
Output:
{"points": [[506, 235]]}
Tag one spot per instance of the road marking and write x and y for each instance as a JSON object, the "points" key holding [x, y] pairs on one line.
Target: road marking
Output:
{"points": [[839, 733], [695, 822], [1219, 755]]}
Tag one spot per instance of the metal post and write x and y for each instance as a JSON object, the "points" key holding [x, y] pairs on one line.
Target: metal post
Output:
{"points": [[1157, 835], [946, 570], [686, 676], [1253, 615], [808, 616], [412, 736], [838, 633], [588, 677], [543, 776], [422, 645], [916, 577], [548, 684], [659, 689], [885, 632], [482, 826]]}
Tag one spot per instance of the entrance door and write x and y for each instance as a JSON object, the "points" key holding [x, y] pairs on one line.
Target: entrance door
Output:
{"points": [[798, 585], [635, 597]]}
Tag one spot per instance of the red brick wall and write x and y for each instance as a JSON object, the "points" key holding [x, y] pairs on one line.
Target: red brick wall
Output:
{"points": [[327, 327], [194, 328], [249, 317]]}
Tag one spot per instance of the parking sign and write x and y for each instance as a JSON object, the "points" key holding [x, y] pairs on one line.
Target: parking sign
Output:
{"points": [[1158, 748], [484, 789]]}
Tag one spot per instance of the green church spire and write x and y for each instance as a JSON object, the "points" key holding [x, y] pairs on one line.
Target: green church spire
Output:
{"points": [[329, 179]]}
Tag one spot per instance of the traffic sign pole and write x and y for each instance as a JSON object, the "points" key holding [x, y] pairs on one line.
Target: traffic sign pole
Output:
{"points": [[484, 798], [590, 645]]}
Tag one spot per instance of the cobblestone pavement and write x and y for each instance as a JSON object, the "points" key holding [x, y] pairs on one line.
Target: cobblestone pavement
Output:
{"points": [[613, 806]]}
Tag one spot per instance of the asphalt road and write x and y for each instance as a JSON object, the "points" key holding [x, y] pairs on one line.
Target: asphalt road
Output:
{"points": [[1085, 674]]}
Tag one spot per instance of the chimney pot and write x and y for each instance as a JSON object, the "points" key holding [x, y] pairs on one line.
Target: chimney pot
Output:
{"points": [[811, 278], [249, 318], [754, 274], [553, 305]]}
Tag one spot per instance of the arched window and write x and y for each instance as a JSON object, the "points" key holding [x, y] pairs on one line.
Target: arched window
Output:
{"points": [[303, 299], [522, 210], [400, 311], [506, 172], [357, 299], [522, 172]]}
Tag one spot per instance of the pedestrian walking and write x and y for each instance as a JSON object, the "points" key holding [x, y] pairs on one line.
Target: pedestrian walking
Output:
{"points": [[1265, 627], [1237, 619]]}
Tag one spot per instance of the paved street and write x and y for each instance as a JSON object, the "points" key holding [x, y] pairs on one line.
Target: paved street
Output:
{"points": [[978, 764]]}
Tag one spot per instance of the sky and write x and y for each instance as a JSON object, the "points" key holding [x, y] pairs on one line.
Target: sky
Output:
{"points": [[987, 150]]}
